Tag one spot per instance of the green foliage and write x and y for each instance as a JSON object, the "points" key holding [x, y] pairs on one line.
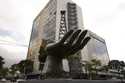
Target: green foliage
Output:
{"points": [[4, 72], [1, 62], [104, 68], [13, 69], [91, 67], [25, 66], [116, 65]]}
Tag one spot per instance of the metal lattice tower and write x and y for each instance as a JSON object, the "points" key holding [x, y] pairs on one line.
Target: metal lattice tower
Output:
{"points": [[63, 28]]}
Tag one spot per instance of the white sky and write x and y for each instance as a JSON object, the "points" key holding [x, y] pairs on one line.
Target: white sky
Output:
{"points": [[104, 17]]}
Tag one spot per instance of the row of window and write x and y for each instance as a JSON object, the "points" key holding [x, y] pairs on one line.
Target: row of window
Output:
{"points": [[47, 12], [49, 37], [50, 8], [72, 16]]}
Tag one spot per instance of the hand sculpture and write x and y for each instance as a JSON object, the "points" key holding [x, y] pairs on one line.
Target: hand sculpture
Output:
{"points": [[71, 43]]}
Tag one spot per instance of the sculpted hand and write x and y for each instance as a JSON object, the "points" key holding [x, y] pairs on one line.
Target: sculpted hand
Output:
{"points": [[72, 42]]}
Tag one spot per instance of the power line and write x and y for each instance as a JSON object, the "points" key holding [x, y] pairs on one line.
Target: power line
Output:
{"points": [[4, 42]]}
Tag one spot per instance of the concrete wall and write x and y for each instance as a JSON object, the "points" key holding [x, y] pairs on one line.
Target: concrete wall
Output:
{"points": [[74, 81]]}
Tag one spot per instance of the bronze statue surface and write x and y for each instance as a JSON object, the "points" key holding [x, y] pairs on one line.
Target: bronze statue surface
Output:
{"points": [[72, 42]]}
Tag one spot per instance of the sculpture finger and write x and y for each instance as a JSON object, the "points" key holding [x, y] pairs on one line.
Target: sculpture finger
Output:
{"points": [[85, 41], [81, 37], [80, 46], [74, 36], [66, 36]]}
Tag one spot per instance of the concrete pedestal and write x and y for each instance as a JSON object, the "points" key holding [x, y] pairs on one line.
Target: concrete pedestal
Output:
{"points": [[73, 81]]}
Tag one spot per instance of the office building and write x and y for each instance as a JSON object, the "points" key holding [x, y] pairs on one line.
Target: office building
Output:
{"points": [[57, 18]]}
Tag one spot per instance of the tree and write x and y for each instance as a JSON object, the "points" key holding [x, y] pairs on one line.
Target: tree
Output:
{"points": [[1, 66], [114, 64], [1, 62], [105, 68], [95, 64], [4, 72], [117, 65], [13, 69], [25, 66], [88, 68], [91, 67], [123, 72], [122, 65]]}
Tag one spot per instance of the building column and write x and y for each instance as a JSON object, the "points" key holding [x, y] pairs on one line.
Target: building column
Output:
{"points": [[36, 64]]}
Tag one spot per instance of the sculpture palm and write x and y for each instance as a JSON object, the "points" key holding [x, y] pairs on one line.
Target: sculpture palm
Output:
{"points": [[71, 43]]}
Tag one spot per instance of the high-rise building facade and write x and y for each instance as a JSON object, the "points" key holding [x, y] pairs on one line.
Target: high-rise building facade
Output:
{"points": [[58, 17]]}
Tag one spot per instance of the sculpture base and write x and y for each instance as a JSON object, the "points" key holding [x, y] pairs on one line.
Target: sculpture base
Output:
{"points": [[72, 81]]}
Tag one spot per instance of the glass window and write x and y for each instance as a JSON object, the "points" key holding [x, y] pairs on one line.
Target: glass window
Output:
{"points": [[98, 50]]}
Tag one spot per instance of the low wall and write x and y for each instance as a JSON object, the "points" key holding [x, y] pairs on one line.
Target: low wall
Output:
{"points": [[73, 81]]}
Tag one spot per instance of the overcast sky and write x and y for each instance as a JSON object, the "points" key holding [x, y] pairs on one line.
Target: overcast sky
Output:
{"points": [[104, 17]]}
